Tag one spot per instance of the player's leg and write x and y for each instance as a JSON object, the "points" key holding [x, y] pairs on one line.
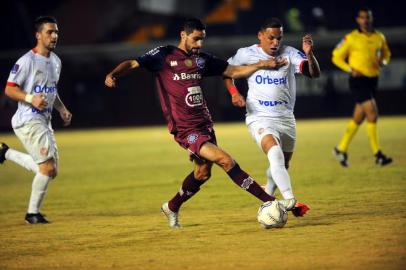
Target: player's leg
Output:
{"points": [[371, 111], [22, 159], [39, 141], [214, 154], [340, 151], [190, 186]]}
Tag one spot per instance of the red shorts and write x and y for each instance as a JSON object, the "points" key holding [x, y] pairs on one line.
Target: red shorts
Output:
{"points": [[193, 140]]}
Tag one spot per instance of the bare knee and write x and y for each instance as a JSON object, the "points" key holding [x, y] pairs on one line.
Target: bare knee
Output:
{"points": [[202, 175], [48, 168], [225, 161]]}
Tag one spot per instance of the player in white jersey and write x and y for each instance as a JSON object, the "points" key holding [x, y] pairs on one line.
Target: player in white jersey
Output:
{"points": [[33, 83], [271, 100]]}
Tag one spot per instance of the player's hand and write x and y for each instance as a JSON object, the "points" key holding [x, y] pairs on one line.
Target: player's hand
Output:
{"points": [[39, 102], [356, 73], [66, 117], [238, 100], [110, 81], [274, 63], [307, 44]]}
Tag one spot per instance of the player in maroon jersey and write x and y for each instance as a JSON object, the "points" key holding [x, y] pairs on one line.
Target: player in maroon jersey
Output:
{"points": [[179, 71]]}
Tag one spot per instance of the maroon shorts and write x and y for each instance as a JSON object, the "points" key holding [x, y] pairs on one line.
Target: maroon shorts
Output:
{"points": [[193, 140]]}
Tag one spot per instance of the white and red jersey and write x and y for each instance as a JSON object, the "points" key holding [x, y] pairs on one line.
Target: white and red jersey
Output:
{"points": [[35, 74], [271, 93]]}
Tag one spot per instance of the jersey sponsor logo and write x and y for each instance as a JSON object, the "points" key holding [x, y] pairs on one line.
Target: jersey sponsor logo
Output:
{"points": [[200, 62], [272, 103], [187, 76], [192, 138], [302, 54], [269, 80], [173, 63], [154, 51], [46, 110], [15, 68], [44, 89], [194, 97]]}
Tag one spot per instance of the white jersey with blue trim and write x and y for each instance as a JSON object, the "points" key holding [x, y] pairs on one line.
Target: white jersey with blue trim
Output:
{"points": [[35, 74], [271, 93]]}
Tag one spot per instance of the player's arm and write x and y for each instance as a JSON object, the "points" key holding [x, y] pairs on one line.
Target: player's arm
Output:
{"points": [[236, 72], [340, 54], [121, 70], [14, 92], [385, 54], [65, 114], [311, 67], [236, 98]]}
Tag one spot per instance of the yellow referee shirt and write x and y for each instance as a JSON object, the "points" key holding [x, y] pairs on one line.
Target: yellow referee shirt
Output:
{"points": [[363, 52]]}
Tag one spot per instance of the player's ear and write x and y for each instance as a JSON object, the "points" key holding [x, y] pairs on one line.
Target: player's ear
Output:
{"points": [[183, 35], [260, 34]]}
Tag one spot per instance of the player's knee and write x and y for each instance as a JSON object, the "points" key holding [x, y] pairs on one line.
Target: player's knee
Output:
{"points": [[203, 176], [49, 169], [226, 162]]}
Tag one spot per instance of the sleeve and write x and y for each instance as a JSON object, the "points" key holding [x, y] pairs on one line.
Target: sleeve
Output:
{"points": [[240, 58], [386, 53], [19, 72], [297, 59], [340, 54], [214, 66], [153, 60]]}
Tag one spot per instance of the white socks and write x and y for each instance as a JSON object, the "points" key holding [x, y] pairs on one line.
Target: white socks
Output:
{"points": [[270, 185], [278, 171], [22, 159], [39, 188]]}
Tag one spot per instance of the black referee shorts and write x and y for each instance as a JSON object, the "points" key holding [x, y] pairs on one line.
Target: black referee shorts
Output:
{"points": [[363, 88]]}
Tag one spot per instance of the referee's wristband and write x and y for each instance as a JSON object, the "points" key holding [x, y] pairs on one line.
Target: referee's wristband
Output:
{"points": [[232, 89], [28, 98]]}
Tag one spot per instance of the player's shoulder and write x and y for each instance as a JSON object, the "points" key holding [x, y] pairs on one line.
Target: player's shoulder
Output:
{"points": [[55, 58], [28, 57], [351, 35], [292, 52], [161, 50], [380, 34]]}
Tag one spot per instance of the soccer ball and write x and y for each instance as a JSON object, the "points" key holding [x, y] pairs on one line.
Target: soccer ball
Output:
{"points": [[272, 215]]}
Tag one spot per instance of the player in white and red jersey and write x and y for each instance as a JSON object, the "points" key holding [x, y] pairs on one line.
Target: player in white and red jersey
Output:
{"points": [[271, 100], [33, 83]]}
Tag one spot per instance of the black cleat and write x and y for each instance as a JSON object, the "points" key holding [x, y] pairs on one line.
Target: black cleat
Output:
{"points": [[382, 160], [3, 150], [35, 219], [341, 157]]}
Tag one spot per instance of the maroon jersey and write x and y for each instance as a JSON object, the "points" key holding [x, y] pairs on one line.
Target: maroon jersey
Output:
{"points": [[178, 79]]}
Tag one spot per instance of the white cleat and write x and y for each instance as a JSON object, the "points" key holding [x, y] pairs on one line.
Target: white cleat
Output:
{"points": [[173, 217], [289, 204]]}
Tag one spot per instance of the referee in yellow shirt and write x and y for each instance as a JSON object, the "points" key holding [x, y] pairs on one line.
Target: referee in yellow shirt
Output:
{"points": [[362, 53]]}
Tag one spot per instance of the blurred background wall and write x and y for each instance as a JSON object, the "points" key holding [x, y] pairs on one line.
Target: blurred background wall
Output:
{"points": [[96, 35]]}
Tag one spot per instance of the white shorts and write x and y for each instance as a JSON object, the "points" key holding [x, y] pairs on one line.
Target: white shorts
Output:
{"points": [[282, 128], [38, 139]]}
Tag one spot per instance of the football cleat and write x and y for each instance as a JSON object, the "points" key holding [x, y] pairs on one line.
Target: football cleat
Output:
{"points": [[300, 209], [341, 157], [288, 204], [3, 150], [37, 218], [173, 217], [380, 159]]}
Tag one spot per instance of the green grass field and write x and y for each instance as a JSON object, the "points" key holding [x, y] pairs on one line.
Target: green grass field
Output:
{"points": [[105, 203]]}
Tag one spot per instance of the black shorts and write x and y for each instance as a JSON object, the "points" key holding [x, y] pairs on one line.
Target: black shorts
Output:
{"points": [[363, 88]]}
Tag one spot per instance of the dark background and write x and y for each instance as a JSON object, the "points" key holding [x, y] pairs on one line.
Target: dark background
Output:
{"points": [[95, 36]]}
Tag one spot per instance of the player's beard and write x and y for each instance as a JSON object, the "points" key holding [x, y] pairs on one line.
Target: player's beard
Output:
{"points": [[191, 50]]}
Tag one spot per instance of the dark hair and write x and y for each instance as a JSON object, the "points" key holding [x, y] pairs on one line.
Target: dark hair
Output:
{"points": [[271, 23], [41, 20], [365, 9], [192, 24]]}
